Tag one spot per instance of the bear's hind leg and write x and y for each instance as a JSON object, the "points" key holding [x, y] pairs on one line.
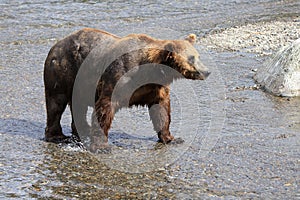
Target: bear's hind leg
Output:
{"points": [[81, 122], [55, 106]]}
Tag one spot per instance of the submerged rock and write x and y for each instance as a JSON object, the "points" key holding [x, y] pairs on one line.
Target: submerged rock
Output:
{"points": [[281, 75]]}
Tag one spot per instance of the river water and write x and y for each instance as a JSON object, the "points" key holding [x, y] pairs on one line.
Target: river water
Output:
{"points": [[239, 142]]}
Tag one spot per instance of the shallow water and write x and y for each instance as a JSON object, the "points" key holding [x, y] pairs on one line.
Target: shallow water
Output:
{"points": [[240, 143]]}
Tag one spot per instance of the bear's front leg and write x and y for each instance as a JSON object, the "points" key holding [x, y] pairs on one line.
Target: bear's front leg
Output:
{"points": [[160, 115], [101, 122]]}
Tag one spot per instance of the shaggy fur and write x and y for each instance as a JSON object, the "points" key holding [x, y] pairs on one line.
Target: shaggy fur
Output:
{"points": [[66, 57]]}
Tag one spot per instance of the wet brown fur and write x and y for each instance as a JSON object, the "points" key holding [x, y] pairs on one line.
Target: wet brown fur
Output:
{"points": [[67, 55]]}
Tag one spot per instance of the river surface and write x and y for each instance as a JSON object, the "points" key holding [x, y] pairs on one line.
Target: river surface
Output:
{"points": [[240, 143]]}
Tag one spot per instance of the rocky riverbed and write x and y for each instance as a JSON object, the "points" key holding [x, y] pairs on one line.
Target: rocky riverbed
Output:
{"points": [[262, 38]]}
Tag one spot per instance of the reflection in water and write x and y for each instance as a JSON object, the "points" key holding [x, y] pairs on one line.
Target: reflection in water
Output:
{"points": [[69, 174]]}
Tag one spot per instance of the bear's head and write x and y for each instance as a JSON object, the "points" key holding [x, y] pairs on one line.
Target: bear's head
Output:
{"points": [[182, 56]]}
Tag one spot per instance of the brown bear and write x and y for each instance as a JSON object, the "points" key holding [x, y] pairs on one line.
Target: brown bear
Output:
{"points": [[67, 55]]}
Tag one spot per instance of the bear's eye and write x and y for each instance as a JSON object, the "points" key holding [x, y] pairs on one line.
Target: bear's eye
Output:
{"points": [[191, 59]]}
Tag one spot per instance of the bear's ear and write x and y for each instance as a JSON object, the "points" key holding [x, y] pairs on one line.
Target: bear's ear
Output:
{"points": [[191, 38]]}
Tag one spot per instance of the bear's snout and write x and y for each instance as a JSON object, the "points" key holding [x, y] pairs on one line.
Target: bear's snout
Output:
{"points": [[197, 75], [202, 71], [200, 75]]}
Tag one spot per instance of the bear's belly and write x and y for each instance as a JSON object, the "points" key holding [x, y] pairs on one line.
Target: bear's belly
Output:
{"points": [[148, 95]]}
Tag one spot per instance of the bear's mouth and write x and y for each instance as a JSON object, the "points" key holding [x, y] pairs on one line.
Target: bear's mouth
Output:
{"points": [[202, 75]]}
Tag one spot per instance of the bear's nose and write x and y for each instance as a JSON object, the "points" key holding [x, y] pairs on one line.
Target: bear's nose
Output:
{"points": [[206, 73]]}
